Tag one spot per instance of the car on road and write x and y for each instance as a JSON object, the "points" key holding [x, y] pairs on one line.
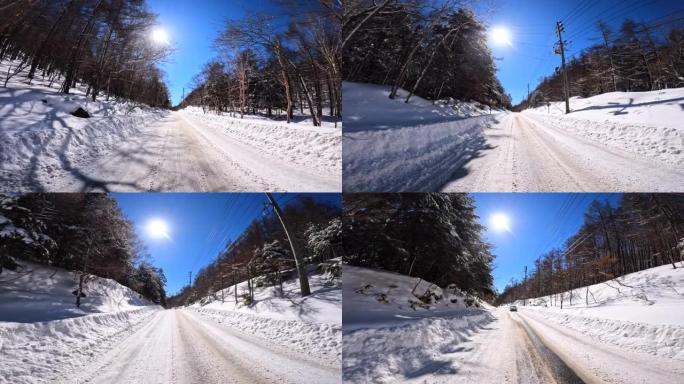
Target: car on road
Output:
{"points": [[513, 308]]}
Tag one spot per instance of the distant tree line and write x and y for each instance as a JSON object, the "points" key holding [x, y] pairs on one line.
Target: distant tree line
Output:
{"points": [[638, 57], [86, 233], [266, 68], [642, 231], [433, 236], [104, 44], [261, 255], [435, 50]]}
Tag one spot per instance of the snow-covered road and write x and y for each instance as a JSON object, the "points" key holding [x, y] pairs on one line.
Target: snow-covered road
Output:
{"points": [[523, 154], [177, 346], [524, 348], [177, 153]]}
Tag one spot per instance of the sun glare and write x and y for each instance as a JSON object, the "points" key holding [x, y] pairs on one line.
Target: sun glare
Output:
{"points": [[160, 36], [500, 36], [158, 229], [500, 222]]}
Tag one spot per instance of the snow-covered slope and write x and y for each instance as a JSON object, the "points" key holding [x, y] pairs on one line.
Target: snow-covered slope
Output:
{"points": [[39, 138], [300, 143], [647, 123], [311, 325], [390, 145], [41, 293], [42, 333], [389, 332], [642, 311]]}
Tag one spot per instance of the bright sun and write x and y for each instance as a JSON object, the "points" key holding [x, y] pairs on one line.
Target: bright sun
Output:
{"points": [[500, 36], [158, 229], [160, 36], [500, 222]]}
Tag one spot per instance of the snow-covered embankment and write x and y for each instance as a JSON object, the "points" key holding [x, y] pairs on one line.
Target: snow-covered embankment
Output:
{"points": [[395, 326], [311, 325], [641, 312], [393, 146], [43, 335], [649, 124]]}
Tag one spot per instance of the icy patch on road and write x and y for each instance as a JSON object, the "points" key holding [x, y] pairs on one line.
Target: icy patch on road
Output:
{"points": [[393, 146], [389, 334], [300, 143]]}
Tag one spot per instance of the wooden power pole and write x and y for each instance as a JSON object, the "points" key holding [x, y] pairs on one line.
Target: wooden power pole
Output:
{"points": [[301, 271], [561, 51], [526, 290]]}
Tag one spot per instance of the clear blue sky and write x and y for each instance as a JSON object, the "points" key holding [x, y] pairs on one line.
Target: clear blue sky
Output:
{"points": [[192, 26], [532, 27], [538, 223], [200, 225]]}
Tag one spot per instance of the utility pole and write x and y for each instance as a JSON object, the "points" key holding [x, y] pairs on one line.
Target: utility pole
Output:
{"points": [[528, 94], [561, 51], [525, 284], [190, 279], [301, 271]]}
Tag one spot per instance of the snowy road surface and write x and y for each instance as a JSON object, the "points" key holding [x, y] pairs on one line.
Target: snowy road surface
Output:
{"points": [[177, 346], [522, 154], [523, 348], [177, 154]]}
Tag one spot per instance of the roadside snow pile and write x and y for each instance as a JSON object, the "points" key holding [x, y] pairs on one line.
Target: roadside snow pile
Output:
{"points": [[39, 136], [35, 347], [311, 325], [646, 123], [393, 146], [642, 311], [397, 326], [300, 143], [41, 293]]}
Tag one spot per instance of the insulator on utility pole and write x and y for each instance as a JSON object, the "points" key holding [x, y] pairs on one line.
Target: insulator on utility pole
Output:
{"points": [[561, 50], [299, 262]]}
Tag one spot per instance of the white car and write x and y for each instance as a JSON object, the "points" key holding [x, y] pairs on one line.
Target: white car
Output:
{"points": [[513, 308]]}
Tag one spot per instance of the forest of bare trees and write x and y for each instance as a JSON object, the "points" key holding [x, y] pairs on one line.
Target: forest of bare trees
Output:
{"points": [[637, 57], [86, 233], [261, 255], [276, 70], [103, 44], [642, 231], [435, 50]]}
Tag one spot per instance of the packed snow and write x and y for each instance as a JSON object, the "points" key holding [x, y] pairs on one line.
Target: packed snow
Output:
{"points": [[393, 146], [311, 325], [130, 147], [641, 311], [43, 336], [647, 123]]}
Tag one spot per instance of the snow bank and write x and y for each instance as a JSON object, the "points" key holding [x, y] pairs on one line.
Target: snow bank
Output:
{"points": [[41, 293], [312, 325], [388, 331], [300, 143], [646, 123], [45, 351], [393, 146], [39, 137], [642, 311], [42, 333]]}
